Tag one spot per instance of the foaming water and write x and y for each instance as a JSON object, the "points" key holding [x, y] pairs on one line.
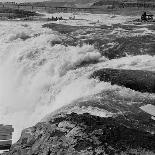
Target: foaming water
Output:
{"points": [[139, 62], [37, 78]]}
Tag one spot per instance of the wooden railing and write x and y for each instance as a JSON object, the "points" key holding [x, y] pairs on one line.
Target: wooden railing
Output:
{"points": [[33, 8], [138, 5], [5, 136]]}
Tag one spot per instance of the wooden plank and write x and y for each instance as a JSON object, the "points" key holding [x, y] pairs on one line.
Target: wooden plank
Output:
{"points": [[6, 129], [5, 133], [6, 142], [5, 145], [6, 126], [5, 137]]}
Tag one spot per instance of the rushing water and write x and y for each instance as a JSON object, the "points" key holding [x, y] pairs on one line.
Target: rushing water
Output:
{"points": [[37, 77]]}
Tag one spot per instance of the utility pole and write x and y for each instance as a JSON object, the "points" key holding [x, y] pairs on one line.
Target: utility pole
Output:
{"points": [[144, 4], [113, 7]]}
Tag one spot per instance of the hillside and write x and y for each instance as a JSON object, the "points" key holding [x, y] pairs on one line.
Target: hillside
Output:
{"points": [[61, 3], [97, 3], [15, 13], [118, 2]]}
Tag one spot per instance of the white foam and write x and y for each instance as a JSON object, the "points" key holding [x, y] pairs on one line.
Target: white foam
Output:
{"points": [[139, 62], [37, 78], [149, 109]]}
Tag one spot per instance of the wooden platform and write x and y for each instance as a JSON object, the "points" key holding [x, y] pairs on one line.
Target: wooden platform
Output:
{"points": [[5, 136]]}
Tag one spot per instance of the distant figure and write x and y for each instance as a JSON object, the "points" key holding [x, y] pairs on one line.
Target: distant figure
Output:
{"points": [[60, 18], [53, 18], [147, 17], [143, 17], [72, 18]]}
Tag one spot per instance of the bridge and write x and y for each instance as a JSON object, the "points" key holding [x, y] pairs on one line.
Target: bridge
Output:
{"points": [[48, 8], [31, 7], [137, 5]]}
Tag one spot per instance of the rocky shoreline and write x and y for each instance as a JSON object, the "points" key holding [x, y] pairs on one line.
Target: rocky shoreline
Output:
{"points": [[83, 134]]}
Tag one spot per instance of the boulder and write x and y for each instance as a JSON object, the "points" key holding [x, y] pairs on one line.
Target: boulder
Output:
{"points": [[88, 134], [138, 80]]}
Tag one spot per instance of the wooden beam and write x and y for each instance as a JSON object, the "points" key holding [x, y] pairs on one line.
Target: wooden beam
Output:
{"points": [[5, 145], [6, 142], [5, 137], [3, 130], [5, 133], [6, 128]]}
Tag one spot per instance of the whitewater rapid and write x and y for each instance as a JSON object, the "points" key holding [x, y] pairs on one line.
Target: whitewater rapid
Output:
{"points": [[37, 78]]}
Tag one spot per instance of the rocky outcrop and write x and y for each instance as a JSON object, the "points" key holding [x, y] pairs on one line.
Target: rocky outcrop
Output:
{"points": [[82, 134], [143, 81]]}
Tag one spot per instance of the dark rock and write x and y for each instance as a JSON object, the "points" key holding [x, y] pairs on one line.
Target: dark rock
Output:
{"points": [[64, 29], [143, 81], [16, 13], [83, 134]]}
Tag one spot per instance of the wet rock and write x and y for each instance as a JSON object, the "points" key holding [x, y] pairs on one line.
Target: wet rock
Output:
{"points": [[85, 134], [139, 80], [63, 29]]}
